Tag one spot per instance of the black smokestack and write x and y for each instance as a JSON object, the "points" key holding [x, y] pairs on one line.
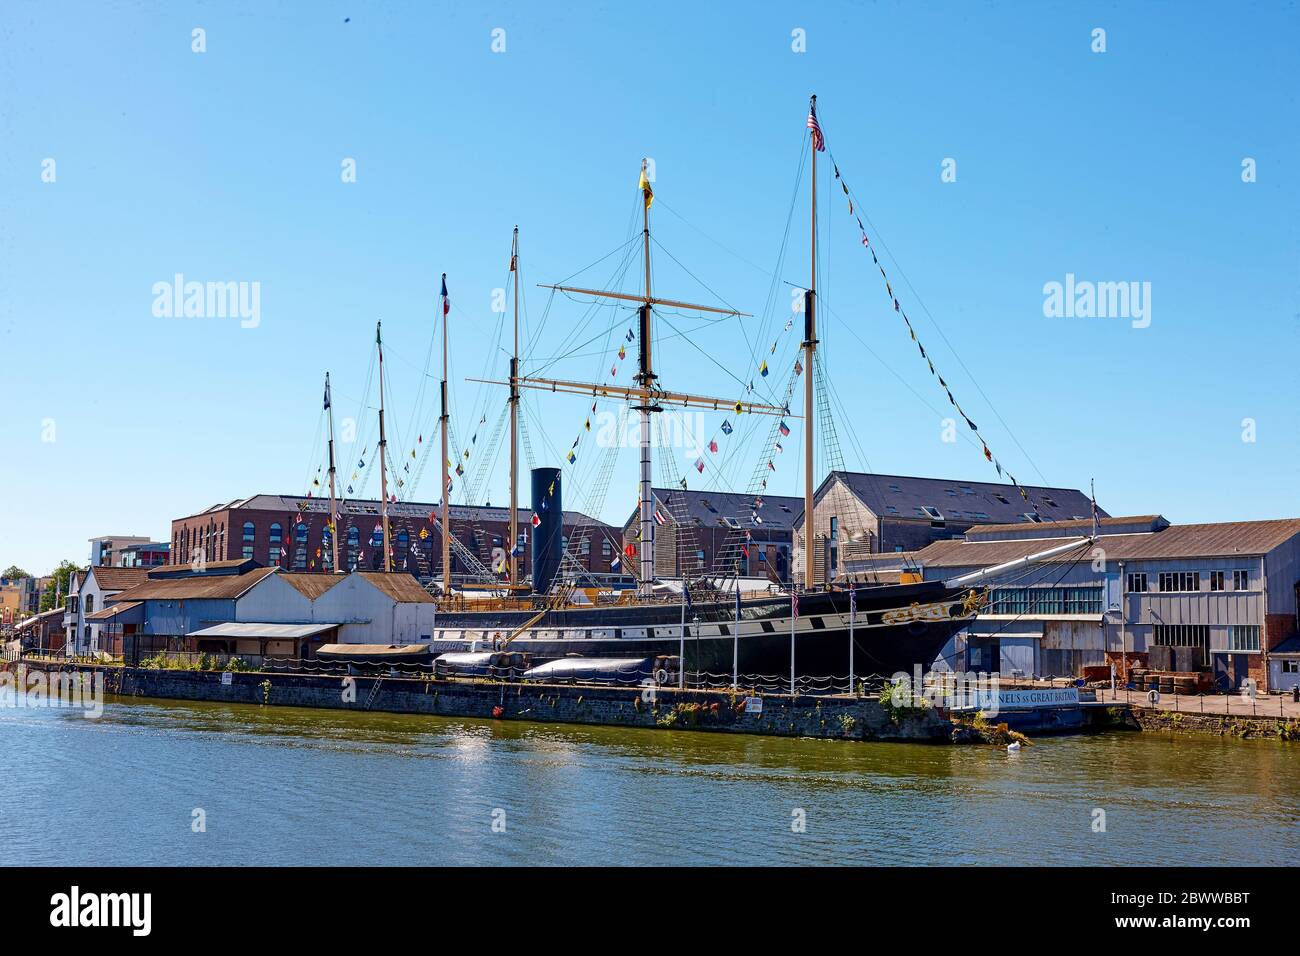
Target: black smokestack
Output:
{"points": [[548, 533]]}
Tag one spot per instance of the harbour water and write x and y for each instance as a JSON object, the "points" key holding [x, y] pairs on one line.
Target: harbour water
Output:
{"points": [[276, 785]]}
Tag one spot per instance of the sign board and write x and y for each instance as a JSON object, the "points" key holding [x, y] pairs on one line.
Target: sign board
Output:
{"points": [[753, 705], [1040, 697], [227, 679]]}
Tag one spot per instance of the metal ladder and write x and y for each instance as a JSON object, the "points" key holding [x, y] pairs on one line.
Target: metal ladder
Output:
{"points": [[374, 692]]}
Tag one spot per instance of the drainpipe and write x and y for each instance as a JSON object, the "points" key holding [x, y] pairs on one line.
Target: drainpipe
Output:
{"points": [[1123, 618]]}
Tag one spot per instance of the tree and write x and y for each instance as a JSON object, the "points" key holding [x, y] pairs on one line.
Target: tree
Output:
{"points": [[13, 572], [59, 584]]}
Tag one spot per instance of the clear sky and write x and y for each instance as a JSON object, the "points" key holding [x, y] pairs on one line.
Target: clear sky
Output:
{"points": [[228, 165]]}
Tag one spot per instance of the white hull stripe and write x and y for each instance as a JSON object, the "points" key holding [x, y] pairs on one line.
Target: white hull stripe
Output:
{"points": [[703, 630]]}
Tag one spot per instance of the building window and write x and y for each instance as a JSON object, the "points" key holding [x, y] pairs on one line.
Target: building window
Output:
{"points": [[1291, 667], [1241, 580], [327, 549], [90, 603], [354, 541], [1180, 580], [1044, 601], [300, 547], [1137, 582], [1181, 635], [274, 542], [1216, 580], [606, 550], [1243, 637]]}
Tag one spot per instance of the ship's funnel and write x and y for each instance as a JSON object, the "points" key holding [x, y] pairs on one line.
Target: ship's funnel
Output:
{"points": [[548, 528]]}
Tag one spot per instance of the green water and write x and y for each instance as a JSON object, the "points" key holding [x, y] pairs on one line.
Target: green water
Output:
{"points": [[281, 786]]}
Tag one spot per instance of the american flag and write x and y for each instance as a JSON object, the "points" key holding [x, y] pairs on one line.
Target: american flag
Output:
{"points": [[819, 143]]}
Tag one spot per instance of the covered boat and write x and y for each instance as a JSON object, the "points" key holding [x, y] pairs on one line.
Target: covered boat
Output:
{"points": [[375, 655]]}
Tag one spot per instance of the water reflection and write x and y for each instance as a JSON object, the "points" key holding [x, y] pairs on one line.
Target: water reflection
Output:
{"points": [[284, 785]]}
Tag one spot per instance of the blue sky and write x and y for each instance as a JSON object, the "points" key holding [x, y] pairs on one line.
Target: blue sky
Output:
{"points": [[226, 166]]}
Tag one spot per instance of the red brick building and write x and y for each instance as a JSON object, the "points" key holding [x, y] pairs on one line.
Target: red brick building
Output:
{"points": [[267, 529]]}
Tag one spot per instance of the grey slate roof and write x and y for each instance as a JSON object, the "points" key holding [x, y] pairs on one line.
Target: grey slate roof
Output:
{"points": [[288, 504], [966, 501], [708, 509], [1225, 539]]}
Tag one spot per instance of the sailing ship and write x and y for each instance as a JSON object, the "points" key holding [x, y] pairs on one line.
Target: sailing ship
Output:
{"points": [[818, 629]]}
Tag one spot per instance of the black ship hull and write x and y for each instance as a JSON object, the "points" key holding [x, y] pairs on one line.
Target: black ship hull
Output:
{"points": [[895, 628]]}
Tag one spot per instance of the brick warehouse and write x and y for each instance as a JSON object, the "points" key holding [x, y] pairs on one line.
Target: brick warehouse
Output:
{"points": [[704, 530], [266, 529]]}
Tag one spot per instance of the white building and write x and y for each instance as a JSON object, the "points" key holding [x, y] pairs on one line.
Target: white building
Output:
{"points": [[88, 592]]}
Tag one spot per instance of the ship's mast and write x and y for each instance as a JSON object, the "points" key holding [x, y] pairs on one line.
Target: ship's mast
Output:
{"points": [[446, 474], [514, 423], [809, 349], [333, 519], [383, 453], [645, 378], [651, 397]]}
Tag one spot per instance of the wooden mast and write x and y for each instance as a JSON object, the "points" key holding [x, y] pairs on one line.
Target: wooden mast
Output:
{"points": [[383, 453], [514, 424], [646, 377], [446, 474], [651, 397], [809, 348], [334, 508]]}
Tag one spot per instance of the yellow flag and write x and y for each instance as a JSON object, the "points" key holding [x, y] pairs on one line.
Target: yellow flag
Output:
{"points": [[646, 190]]}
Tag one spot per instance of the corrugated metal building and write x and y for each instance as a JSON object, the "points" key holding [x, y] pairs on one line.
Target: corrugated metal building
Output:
{"points": [[179, 608], [1177, 597]]}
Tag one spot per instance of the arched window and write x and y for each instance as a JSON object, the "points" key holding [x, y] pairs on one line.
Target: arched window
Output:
{"points": [[327, 549], [250, 538], [89, 604], [300, 547], [274, 541]]}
